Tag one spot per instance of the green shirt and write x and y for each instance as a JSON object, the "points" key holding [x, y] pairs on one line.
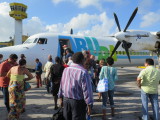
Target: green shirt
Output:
{"points": [[150, 79]]}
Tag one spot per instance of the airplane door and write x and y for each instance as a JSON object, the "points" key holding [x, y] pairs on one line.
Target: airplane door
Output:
{"points": [[63, 42]]}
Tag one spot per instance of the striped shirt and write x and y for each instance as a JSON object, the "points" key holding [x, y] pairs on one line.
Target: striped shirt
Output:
{"points": [[76, 84]]}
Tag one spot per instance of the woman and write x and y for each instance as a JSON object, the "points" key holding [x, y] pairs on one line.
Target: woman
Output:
{"points": [[110, 73], [89, 68], [101, 64], [56, 71], [16, 89]]}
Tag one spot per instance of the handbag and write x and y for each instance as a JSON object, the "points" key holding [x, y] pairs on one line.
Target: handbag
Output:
{"points": [[27, 86], [58, 115], [102, 85]]}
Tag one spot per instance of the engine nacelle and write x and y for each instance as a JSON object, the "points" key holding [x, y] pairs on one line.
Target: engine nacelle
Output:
{"points": [[128, 45], [157, 45]]}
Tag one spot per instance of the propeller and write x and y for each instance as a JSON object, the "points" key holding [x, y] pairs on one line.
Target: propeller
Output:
{"points": [[131, 18], [124, 43], [117, 22], [126, 49]]}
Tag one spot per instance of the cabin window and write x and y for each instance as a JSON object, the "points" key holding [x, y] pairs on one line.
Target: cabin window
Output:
{"points": [[42, 41]]}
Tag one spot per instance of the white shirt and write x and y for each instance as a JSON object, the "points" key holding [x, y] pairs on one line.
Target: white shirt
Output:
{"points": [[47, 68], [69, 62]]}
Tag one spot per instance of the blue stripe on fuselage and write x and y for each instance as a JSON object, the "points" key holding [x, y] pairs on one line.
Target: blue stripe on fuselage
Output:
{"points": [[135, 57]]}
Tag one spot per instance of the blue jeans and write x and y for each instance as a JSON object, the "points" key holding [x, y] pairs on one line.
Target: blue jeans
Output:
{"points": [[6, 97], [105, 95], [155, 106]]}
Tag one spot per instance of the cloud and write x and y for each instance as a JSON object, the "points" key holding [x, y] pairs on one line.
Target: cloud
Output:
{"points": [[143, 5], [81, 21], [33, 26], [6, 22], [103, 26], [150, 19], [82, 24], [114, 1], [57, 1], [86, 3]]}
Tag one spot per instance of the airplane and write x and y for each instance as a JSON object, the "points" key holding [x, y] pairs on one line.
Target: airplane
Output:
{"points": [[136, 45]]}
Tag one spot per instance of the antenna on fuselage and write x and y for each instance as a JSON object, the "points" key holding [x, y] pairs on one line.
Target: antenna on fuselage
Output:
{"points": [[71, 32]]}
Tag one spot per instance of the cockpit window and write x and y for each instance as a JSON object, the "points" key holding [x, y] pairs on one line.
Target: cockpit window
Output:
{"points": [[30, 40], [42, 41], [35, 41]]}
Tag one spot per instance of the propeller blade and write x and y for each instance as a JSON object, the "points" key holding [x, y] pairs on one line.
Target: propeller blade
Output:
{"points": [[115, 48], [110, 36], [71, 32], [126, 49], [131, 18], [117, 22]]}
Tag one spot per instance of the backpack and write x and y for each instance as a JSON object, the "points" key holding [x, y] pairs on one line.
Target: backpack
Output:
{"points": [[58, 115]]}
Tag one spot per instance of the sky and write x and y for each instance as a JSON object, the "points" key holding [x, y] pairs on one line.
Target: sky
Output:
{"points": [[86, 17]]}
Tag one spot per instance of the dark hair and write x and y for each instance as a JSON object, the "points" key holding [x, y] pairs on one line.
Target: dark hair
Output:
{"points": [[78, 58], [37, 59], [150, 61], [13, 56], [110, 61], [58, 60], [87, 64], [1, 56], [97, 61], [22, 56], [22, 62]]}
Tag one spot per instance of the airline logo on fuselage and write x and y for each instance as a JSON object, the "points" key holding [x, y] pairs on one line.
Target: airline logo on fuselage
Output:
{"points": [[91, 44]]}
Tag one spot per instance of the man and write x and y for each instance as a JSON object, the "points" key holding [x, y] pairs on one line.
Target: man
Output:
{"points": [[69, 61], [65, 47], [1, 57], [68, 54], [38, 71], [148, 81], [47, 67], [4, 81], [76, 90], [22, 56]]}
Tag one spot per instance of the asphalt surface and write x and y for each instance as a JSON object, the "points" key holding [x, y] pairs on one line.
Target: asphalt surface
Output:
{"points": [[40, 104]]}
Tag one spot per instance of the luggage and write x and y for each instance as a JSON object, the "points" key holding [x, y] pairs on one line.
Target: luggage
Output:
{"points": [[27, 86], [58, 115], [102, 85]]}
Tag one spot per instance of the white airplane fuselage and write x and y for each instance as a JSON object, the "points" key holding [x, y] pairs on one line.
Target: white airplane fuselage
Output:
{"points": [[99, 47]]}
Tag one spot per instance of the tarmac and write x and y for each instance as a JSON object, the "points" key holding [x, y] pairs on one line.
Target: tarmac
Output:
{"points": [[40, 104]]}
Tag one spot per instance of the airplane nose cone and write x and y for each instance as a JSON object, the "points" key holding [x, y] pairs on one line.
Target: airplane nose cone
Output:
{"points": [[120, 36]]}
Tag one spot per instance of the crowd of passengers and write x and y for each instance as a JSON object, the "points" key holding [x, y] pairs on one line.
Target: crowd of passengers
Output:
{"points": [[72, 79]]}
